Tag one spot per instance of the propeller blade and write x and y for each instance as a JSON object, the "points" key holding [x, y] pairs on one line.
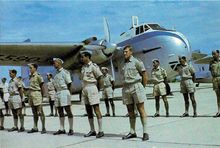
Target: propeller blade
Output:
{"points": [[112, 68], [106, 30]]}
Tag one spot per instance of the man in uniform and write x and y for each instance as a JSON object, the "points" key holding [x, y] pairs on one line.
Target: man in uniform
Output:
{"points": [[15, 101], [214, 67], [91, 77], [36, 92], [107, 93], [187, 87], [133, 92], [159, 77], [2, 106], [6, 96], [62, 83], [24, 97], [51, 93]]}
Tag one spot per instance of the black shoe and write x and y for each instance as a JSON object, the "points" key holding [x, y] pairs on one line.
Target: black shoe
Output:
{"points": [[70, 132], [21, 129], [44, 131], [185, 115], [1, 128], [24, 114], [129, 135], [56, 115], [91, 133], [59, 132], [113, 114], [217, 115], [100, 134], [107, 114], [195, 115], [167, 114], [13, 129], [156, 115], [32, 131], [145, 137]]}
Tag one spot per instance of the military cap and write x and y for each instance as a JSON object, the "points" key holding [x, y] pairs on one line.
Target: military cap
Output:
{"points": [[58, 59]]}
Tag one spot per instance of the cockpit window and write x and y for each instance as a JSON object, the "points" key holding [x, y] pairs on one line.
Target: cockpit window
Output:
{"points": [[156, 27]]}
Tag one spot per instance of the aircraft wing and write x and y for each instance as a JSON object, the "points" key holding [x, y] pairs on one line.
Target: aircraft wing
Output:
{"points": [[41, 53], [204, 60], [198, 55]]}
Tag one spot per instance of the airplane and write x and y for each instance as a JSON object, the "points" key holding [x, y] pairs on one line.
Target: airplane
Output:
{"points": [[149, 41]]}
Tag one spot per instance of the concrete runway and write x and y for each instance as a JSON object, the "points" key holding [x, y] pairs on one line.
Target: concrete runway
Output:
{"points": [[171, 132]]}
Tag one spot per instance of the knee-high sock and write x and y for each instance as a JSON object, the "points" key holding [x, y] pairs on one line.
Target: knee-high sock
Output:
{"points": [[2, 121], [15, 122], [91, 123], [35, 121], [132, 125], [100, 124], [144, 124], [62, 119], [70, 123], [22, 120], [42, 117]]}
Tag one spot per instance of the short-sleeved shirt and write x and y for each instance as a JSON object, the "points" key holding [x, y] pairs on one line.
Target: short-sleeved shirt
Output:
{"points": [[132, 70], [90, 73], [107, 79], [14, 85], [186, 71], [35, 81], [214, 68], [50, 85], [5, 87], [62, 79], [158, 74]]}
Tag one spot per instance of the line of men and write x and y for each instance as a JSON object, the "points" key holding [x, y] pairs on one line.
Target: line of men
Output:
{"points": [[133, 92]]}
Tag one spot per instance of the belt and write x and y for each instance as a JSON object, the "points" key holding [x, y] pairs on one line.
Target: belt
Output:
{"points": [[138, 81]]}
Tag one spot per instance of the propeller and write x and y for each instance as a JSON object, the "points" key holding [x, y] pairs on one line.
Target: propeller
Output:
{"points": [[108, 44]]}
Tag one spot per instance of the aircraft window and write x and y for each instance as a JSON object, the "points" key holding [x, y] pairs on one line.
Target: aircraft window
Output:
{"points": [[146, 28], [137, 30], [141, 29], [156, 27]]}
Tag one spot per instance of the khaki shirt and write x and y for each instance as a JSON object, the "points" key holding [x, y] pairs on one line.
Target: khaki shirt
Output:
{"points": [[158, 74], [50, 85], [62, 79], [90, 73], [5, 87], [186, 71], [214, 67], [107, 79], [132, 70], [13, 87], [35, 80]]}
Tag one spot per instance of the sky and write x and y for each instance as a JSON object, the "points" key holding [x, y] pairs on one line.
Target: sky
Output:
{"points": [[74, 21]]}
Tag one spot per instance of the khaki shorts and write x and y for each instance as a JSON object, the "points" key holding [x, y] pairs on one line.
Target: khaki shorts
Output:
{"points": [[63, 98], [35, 98], [107, 93], [187, 86], [159, 89], [6, 97], [2, 104], [14, 102], [216, 83], [52, 95], [90, 95], [133, 93]]}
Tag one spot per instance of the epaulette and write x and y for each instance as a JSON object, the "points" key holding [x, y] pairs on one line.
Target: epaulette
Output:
{"points": [[94, 64]]}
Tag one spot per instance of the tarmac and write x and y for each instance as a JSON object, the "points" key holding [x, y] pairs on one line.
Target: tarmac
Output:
{"points": [[164, 132]]}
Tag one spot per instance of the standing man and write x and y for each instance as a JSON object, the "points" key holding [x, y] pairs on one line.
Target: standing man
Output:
{"points": [[91, 77], [51, 93], [133, 92], [187, 87], [2, 106], [36, 92], [159, 77], [62, 83], [24, 97], [214, 67], [107, 93], [6, 96], [15, 101]]}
